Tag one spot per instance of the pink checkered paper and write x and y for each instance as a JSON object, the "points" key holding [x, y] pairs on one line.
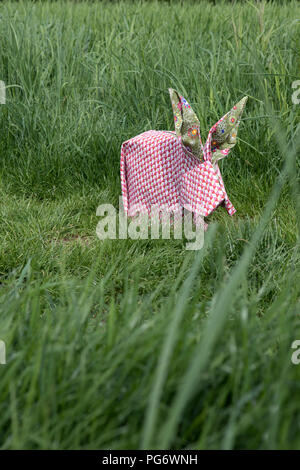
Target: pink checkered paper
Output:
{"points": [[156, 169]]}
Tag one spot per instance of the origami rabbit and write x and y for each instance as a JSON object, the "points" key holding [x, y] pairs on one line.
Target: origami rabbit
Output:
{"points": [[173, 170]]}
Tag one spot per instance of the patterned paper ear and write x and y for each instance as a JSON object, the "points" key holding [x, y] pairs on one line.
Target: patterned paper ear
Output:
{"points": [[187, 124], [222, 136]]}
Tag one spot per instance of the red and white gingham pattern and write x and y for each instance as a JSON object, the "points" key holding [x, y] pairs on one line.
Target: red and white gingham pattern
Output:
{"points": [[157, 170]]}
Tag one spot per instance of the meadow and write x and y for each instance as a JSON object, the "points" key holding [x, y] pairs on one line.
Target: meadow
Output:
{"points": [[123, 344]]}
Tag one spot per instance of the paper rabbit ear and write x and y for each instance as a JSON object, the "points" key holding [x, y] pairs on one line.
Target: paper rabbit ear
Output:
{"points": [[187, 125], [222, 136]]}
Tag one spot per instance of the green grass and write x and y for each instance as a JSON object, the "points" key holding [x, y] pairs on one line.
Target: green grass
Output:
{"points": [[142, 344]]}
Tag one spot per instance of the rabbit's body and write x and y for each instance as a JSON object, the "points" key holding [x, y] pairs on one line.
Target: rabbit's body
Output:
{"points": [[157, 170]]}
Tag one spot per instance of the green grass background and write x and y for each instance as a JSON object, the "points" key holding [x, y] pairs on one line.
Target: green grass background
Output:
{"points": [[123, 344]]}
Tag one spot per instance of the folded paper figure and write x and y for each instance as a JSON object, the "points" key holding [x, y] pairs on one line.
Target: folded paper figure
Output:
{"points": [[174, 170]]}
